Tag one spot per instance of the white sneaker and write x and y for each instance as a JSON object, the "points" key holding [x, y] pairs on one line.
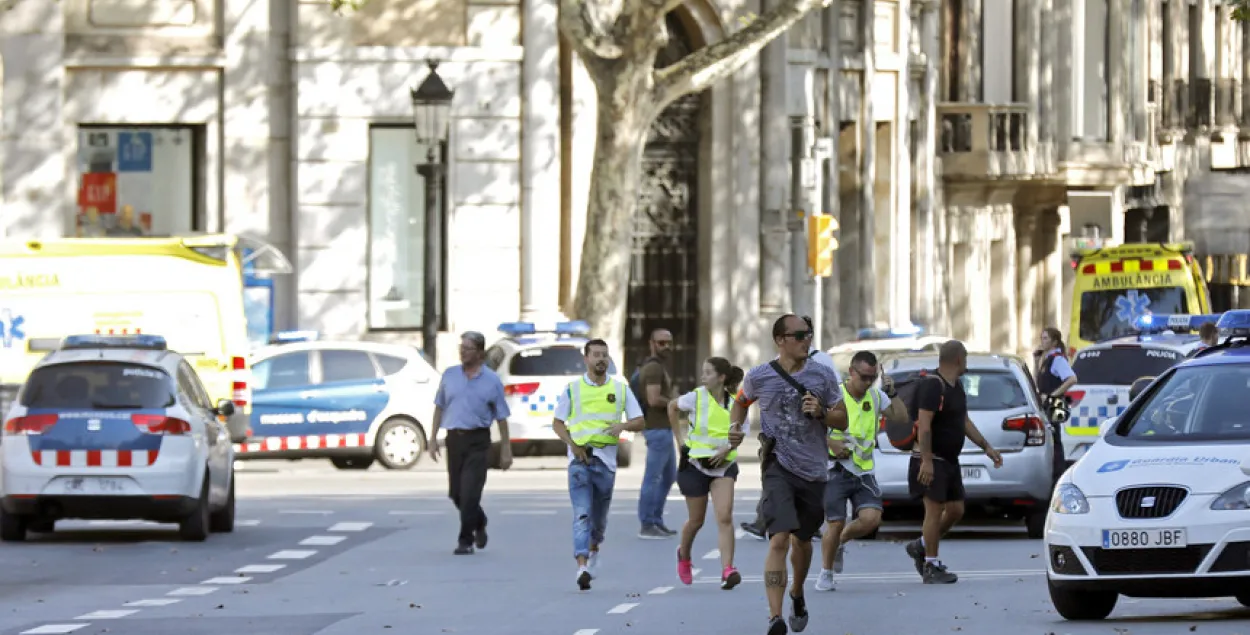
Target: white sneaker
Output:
{"points": [[592, 564], [825, 581]]}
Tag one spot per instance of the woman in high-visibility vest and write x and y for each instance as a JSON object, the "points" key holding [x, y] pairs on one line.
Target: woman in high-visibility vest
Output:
{"points": [[708, 463]]}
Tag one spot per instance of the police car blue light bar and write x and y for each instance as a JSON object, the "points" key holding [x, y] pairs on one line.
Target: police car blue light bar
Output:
{"points": [[287, 337], [1177, 322], [517, 328], [1234, 323], [576, 327], [147, 342]]}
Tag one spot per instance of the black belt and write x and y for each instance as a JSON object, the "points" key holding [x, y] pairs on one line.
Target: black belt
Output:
{"points": [[458, 431]]}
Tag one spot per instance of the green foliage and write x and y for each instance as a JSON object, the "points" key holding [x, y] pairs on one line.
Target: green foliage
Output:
{"points": [[350, 5], [1241, 9]]}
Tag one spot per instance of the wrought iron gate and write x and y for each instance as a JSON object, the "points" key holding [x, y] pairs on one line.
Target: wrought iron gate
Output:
{"points": [[663, 279]]}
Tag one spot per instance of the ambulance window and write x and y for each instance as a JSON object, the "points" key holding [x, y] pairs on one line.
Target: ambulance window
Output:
{"points": [[1111, 313], [390, 364], [343, 365], [281, 371]]}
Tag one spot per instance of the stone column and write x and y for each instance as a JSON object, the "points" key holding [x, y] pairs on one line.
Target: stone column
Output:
{"points": [[774, 173], [831, 292], [867, 169], [540, 162], [38, 138], [900, 226], [1117, 42], [1026, 274], [581, 140], [1028, 70], [927, 266]]}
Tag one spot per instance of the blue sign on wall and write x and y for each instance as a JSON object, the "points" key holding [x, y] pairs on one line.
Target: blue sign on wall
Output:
{"points": [[134, 152]]}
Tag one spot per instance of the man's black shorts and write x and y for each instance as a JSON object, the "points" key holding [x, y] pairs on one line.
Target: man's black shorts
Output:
{"points": [[947, 484], [791, 504]]}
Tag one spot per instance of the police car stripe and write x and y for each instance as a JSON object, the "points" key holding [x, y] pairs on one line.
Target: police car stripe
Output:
{"points": [[95, 458], [307, 442]]}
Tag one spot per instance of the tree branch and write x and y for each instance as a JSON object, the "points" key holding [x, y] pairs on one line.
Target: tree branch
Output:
{"points": [[705, 66], [586, 32]]}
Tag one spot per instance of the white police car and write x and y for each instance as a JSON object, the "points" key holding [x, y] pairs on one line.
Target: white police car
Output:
{"points": [[116, 428], [1106, 371], [350, 402], [535, 364], [1161, 507]]}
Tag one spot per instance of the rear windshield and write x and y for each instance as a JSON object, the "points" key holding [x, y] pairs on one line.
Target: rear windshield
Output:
{"points": [[986, 389], [1204, 403], [1111, 312], [98, 386], [1121, 366], [551, 360]]}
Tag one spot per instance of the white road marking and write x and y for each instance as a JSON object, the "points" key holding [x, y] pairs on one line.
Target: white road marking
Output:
{"points": [[529, 512], [622, 608], [240, 579], [292, 554], [247, 523], [260, 568], [154, 602], [350, 526], [698, 571], [193, 590], [712, 555], [54, 629], [106, 615], [314, 512], [660, 590], [322, 541], [587, 631]]}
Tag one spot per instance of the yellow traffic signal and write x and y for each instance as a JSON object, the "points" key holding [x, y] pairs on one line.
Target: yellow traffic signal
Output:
{"points": [[821, 244]]}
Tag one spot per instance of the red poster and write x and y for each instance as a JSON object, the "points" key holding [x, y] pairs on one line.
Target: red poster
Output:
{"points": [[98, 190]]}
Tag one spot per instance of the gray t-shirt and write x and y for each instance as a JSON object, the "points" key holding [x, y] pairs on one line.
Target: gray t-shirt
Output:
{"points": [[801, 442]]}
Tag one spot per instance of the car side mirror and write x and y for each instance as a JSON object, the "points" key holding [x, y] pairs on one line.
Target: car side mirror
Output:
{"points": [[225, 408], [1138, 386]]}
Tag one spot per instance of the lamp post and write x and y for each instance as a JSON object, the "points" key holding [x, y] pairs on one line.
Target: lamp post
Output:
{"points": [[431, 107]]}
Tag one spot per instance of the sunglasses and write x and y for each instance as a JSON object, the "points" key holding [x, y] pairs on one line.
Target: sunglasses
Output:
{"points": [[800, 335]]}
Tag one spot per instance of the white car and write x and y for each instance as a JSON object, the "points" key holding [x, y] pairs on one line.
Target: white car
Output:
{"points": [[1160, 507], [116, 428], [350, 402], [535, 364]]}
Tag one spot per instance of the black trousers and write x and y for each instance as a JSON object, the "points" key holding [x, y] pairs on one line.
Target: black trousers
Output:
{"points": [[466, 478]]}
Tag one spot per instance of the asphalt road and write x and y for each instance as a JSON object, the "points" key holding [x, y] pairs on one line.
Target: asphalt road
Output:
{"points": [[326, 552]]}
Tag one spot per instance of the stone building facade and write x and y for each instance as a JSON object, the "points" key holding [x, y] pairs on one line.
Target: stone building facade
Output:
{"points": [[990, 151]]}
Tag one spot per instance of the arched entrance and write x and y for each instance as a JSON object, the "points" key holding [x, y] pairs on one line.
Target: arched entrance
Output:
{"points": [[664, 266]]}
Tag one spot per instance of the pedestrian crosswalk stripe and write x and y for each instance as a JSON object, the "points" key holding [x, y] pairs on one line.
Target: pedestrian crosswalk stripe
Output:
{"points": [[622, 608]]}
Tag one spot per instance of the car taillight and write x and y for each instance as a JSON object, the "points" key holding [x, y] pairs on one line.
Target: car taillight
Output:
{"points": [[160, 424], [520, 389], [241, 394], [30, 424], [1032, 426], [1074, 397]]}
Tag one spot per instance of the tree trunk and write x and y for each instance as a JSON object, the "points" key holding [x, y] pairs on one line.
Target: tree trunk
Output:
{"points": [[625, 113]]}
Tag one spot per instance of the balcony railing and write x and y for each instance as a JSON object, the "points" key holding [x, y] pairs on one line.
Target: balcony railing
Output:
{"points": [[1227, 92], [988, 141]]}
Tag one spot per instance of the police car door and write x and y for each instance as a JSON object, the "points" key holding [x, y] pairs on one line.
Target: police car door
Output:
{"points": [[349, 394], [194, 398], [279, 385]]}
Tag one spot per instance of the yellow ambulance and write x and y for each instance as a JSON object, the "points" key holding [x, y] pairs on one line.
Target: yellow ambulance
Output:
{"points": [[1116, 285], [188, 289]]}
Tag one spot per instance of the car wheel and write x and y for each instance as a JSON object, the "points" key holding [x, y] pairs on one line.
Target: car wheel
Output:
{"points": [[12, 527], [624, 452], [41, 525], [400, 444], [1244, 598], [1035, 523], [352, 463], [195, 527], [222, 520], [1082, 605]]}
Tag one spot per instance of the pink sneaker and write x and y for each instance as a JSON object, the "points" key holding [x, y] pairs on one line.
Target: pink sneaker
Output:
{"points": [[685, 572], [730, 578]]}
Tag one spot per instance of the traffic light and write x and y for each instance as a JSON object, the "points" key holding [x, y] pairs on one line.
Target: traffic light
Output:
{"points": [[821, 244]]}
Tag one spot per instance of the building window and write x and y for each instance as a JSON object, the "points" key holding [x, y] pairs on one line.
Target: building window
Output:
{"points": [[397, 215], [139, 181]]}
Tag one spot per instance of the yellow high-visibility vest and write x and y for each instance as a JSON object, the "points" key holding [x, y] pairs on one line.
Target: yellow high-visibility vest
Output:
{"points": [[593, 409], [861, 427], [709, 430]]}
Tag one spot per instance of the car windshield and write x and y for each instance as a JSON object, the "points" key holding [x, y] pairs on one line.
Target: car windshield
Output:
{"points": [[1197, 403], [1110, 313], [986, 389], [98, 386], [1122, 365], [549, 361]]}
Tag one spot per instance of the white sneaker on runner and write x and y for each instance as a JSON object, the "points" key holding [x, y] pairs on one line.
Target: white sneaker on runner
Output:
{"points": [[583, 579], [592, 564], [825, 581]]}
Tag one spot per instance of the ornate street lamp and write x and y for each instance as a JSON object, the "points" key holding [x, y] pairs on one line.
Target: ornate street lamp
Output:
{"points": [[431, 109]]}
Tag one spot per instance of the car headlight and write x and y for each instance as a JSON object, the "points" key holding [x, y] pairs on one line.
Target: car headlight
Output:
{"points": [[1236, 498], [1069, 499]]}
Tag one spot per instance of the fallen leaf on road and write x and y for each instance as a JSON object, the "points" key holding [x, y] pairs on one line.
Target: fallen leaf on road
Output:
{"points": [[221, 606], [1193, 628]]}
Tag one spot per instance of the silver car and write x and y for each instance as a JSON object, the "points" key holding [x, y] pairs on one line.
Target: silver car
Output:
{"points": [[1005, 408]]}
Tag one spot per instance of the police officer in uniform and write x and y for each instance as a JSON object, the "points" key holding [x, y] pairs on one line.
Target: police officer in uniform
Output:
{"points": [[1054, 378]]}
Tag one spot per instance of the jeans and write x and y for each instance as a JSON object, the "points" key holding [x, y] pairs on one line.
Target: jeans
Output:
{"points": [[590, 491], [658, 479]]}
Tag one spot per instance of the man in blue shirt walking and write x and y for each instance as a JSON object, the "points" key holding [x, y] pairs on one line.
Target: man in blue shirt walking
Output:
{"points": [[469, 397]]}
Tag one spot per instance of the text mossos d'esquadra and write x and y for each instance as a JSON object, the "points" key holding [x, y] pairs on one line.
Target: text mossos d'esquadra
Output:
{"points": [[315, 416]]}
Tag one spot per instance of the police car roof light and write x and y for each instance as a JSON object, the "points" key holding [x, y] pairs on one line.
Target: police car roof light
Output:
{"points": [[517, 328], [575, 327], [1234, 324], [295, 336], [146, 342], [1158, 323]]}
